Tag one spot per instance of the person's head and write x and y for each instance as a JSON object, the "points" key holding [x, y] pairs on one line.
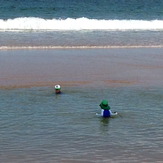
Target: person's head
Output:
{"points": [[104, 105], [57, 89]]}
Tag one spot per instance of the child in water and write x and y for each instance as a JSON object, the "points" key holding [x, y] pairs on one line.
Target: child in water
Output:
{"points": [[105, 109], [57, 89]]}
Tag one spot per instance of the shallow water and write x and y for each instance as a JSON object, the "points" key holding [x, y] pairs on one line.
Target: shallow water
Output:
{"points": [[98, 38], [38, 126]]}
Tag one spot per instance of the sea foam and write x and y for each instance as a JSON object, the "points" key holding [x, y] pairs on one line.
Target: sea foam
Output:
{"points": [[33, 23]]}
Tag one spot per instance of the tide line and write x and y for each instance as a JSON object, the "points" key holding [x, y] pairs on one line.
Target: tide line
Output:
{"points": [[78, 47]]}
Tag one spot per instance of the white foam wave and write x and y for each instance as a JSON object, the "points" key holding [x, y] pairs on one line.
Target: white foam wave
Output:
{"points": [[33, 23]]}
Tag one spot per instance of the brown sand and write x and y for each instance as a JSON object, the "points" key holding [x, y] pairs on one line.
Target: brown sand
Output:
{"points": [[87, 67]]}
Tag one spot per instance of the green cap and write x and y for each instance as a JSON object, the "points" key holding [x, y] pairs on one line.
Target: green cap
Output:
{"points": [[104, 105]]}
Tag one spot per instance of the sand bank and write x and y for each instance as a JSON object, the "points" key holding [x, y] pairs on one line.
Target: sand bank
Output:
{"points": [[88, 67]]}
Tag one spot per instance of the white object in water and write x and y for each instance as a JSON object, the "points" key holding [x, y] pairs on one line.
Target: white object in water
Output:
{"points": [[57, 87]]}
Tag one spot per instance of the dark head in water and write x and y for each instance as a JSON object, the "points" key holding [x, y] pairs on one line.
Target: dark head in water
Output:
{"points": [[57, 89]]}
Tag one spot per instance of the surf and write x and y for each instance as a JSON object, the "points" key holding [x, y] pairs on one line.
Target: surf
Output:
{"points": [[40, 24]]}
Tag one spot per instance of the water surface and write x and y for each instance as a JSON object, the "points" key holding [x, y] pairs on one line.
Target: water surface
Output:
{"points": [[38, 126]]}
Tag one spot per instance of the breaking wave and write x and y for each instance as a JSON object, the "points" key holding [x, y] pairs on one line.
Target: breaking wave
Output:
{"points": [[33, 23]]}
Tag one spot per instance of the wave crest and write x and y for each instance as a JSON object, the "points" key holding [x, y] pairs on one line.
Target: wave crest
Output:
{"points": [[33, 23]]}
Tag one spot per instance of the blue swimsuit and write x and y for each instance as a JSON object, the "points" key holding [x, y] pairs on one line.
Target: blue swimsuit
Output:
{"points": [[105, 113]]}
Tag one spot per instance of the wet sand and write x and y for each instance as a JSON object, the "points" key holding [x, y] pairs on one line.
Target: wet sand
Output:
{"points": [[22, 68]]}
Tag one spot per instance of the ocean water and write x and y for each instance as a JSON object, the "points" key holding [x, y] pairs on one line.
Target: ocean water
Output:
{"points": [[72, 23], [39, 126]]}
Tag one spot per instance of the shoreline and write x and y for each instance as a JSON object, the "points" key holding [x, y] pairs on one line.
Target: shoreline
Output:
{"points": [[76, 47], [110, 83], [23, 68]]}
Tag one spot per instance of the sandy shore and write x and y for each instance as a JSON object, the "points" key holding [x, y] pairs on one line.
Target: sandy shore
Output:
{"points": [[87, 67]]}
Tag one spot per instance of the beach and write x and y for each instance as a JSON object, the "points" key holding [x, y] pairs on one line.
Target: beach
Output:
{"points": [[95, 50], [105, 67]]}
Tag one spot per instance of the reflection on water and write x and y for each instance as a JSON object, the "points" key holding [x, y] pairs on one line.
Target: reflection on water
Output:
{"points": [[105, 121]]}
